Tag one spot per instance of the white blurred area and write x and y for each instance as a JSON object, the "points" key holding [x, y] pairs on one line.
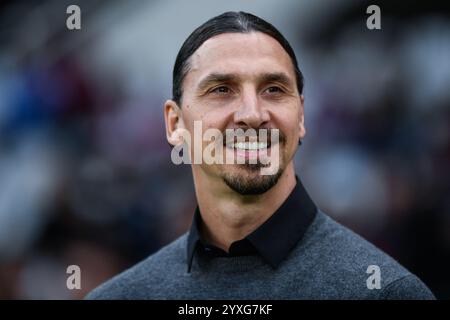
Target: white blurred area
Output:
{"points": [[85, 169]]}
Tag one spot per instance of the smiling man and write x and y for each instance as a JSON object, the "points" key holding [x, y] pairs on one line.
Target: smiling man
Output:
{"points": [[254, 235]]}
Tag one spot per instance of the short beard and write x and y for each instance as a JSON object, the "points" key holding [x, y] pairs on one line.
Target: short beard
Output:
{"points": [[251, 186]]}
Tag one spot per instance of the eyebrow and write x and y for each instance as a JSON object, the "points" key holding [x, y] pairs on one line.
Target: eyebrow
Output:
{"points": [[279, 77], [215, 78]]}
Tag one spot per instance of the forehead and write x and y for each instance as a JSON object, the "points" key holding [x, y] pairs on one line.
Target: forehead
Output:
{"points": [[246, 54]]}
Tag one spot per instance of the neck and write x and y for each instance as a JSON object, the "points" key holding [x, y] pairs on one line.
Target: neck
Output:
{"points": [[228, 216]]}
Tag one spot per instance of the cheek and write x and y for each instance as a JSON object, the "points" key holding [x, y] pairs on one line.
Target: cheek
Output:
{"points": [[289, 126], [198, 112], [192, 119], [217, 119], [199, 124]]}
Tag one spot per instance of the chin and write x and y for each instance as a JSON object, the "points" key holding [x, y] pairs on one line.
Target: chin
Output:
{"points": [[246, 179]]}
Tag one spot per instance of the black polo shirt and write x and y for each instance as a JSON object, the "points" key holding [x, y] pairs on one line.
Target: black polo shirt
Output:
{"points": [[273, 240]]}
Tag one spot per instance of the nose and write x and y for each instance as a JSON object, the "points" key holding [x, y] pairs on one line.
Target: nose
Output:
{"points": [[250, 113]]}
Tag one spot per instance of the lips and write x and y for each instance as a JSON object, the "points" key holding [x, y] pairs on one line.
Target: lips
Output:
{"points": [[252, 146], [250, 150]]}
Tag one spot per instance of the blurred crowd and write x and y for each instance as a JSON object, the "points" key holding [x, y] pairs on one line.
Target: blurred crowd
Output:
{"points": [[85, 170]]}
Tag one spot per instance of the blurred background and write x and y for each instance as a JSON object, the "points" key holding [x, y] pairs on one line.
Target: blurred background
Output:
{"points": [[85, 170]]}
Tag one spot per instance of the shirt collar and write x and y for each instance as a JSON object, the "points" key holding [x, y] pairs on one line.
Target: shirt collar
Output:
{"points": [[276, 237]]}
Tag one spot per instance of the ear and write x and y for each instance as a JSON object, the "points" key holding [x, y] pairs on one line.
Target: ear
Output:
{"points": [[174, 122], [301, 120]]}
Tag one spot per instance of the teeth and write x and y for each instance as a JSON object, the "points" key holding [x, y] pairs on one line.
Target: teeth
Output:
{"points": [[262, 145], [250, 145]]}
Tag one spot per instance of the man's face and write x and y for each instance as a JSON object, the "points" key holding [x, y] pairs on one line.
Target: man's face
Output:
{"points": [[243, 80]]}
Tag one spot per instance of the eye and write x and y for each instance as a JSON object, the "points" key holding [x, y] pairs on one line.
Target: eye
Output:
{"points": [[221, 90], [274, 89]]}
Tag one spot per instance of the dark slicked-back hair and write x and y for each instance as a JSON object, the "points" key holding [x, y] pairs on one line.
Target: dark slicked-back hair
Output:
{"points": [[228, 22]]}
